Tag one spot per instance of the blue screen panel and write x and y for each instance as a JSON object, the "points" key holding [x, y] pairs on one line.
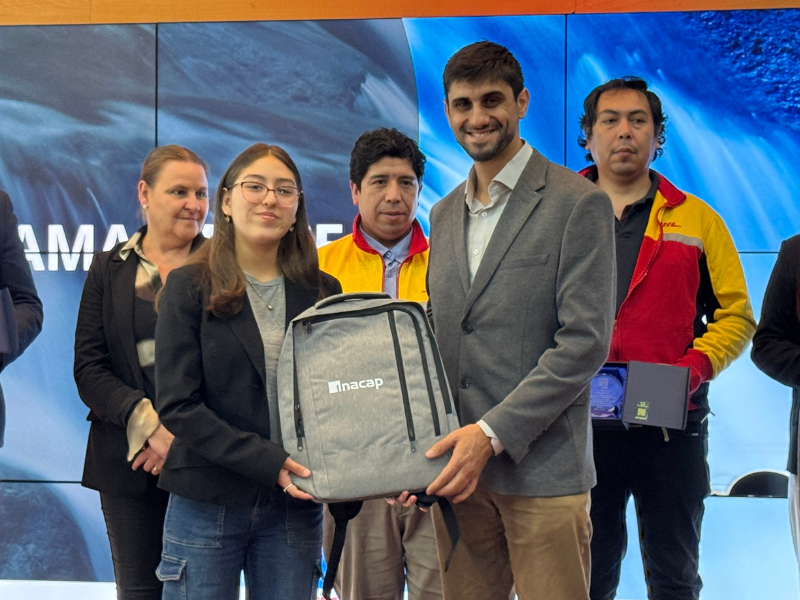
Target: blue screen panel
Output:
{"points": [[728, 82], [745, 552], [77, 117], [51, 531], [310, 87], [538, 44], [749, 430], [46, 427]]}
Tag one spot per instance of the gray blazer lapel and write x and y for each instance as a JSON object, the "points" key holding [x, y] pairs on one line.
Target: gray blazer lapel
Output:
{"points": [[523, 200], [246, 329], [451, 234], [460, 238]]}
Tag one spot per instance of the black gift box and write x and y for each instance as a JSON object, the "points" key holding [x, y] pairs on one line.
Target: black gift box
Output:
{"points": [[639, 393]]}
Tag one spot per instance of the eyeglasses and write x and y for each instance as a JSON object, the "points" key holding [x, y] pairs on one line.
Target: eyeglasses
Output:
{"points": [[255, 193]]}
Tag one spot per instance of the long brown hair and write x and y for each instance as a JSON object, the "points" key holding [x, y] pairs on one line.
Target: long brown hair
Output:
{"points": [[297, 252]]}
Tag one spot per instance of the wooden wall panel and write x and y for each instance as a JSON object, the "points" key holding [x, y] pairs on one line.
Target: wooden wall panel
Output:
{"points": [[137, 11], [47, 12], [626, 6]]}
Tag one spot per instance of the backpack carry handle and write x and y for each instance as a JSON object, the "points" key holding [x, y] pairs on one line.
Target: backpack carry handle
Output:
{"points": [[449, 518], [338, 298], [342, 513]]}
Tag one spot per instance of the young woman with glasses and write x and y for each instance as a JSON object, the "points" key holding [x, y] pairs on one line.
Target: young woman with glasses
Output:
{"points": [[221, 325]]}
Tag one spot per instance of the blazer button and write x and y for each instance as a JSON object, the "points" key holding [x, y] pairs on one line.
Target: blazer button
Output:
{"points": [[466, 327], [465, 383]]}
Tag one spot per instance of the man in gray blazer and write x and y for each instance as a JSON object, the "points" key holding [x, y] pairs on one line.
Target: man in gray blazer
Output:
{"points": [[521, 284]]}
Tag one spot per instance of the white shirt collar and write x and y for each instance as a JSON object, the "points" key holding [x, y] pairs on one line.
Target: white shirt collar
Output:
{"points": [[507, 177]]}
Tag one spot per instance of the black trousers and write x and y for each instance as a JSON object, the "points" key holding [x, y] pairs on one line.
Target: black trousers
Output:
{"points": [[135, 527], [669, 481]]}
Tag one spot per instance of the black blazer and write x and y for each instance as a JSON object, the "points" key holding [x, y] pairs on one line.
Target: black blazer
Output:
{"points": [[15, 274], [211, 392], [107, 371], [776, 344]]}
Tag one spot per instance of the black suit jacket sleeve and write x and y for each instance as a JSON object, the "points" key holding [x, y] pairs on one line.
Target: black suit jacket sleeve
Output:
{"points": [[15, 274], [185, 331], [776, 344], [99, 385]]}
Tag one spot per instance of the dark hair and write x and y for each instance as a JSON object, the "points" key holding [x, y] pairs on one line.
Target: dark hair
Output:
{"points": [[159, 157], [589, 117], [374, 145], [297, 252], [484, 61]]}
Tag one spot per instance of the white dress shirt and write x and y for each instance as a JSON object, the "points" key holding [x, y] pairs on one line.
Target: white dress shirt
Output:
{"points": [[481, 225], [483, 219]]}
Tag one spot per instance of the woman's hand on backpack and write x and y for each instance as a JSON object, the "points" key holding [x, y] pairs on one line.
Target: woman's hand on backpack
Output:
{"points": [[285, 482]]}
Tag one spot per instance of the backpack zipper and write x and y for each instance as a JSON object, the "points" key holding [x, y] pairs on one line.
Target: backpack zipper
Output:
{"points": [[308, 325], [298, 415], [401, 373], [437, 361]]}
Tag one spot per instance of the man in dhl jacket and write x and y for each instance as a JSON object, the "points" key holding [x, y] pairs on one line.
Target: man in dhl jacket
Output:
{"points": [[387, 251], [681, 300]]}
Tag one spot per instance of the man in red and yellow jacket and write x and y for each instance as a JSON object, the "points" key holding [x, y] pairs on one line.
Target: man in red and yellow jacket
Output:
{"points": [[362, 268], [386, 546], [681, 300]]}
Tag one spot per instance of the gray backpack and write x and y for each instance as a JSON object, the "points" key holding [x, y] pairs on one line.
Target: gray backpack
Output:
{"points": [[362, 395]]}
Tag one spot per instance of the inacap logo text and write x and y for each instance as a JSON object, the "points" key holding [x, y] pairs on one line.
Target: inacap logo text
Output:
{"points": [[334, 387]]}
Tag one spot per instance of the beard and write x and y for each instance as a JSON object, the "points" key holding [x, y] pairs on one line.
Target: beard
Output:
{"points": [[490, 153]]}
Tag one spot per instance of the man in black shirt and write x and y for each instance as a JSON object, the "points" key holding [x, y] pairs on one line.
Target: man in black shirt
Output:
{"points": [[681, 300]]}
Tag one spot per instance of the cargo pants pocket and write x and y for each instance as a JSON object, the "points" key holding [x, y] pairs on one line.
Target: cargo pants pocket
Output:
{"points": [[170, 572]]}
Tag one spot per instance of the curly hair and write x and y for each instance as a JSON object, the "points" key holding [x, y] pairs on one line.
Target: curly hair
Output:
{"points": [[374, 145]]}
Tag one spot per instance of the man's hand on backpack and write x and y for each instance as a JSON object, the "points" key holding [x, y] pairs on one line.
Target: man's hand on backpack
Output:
{"points": [[285, 482], [406, 499], [472, 448]]}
